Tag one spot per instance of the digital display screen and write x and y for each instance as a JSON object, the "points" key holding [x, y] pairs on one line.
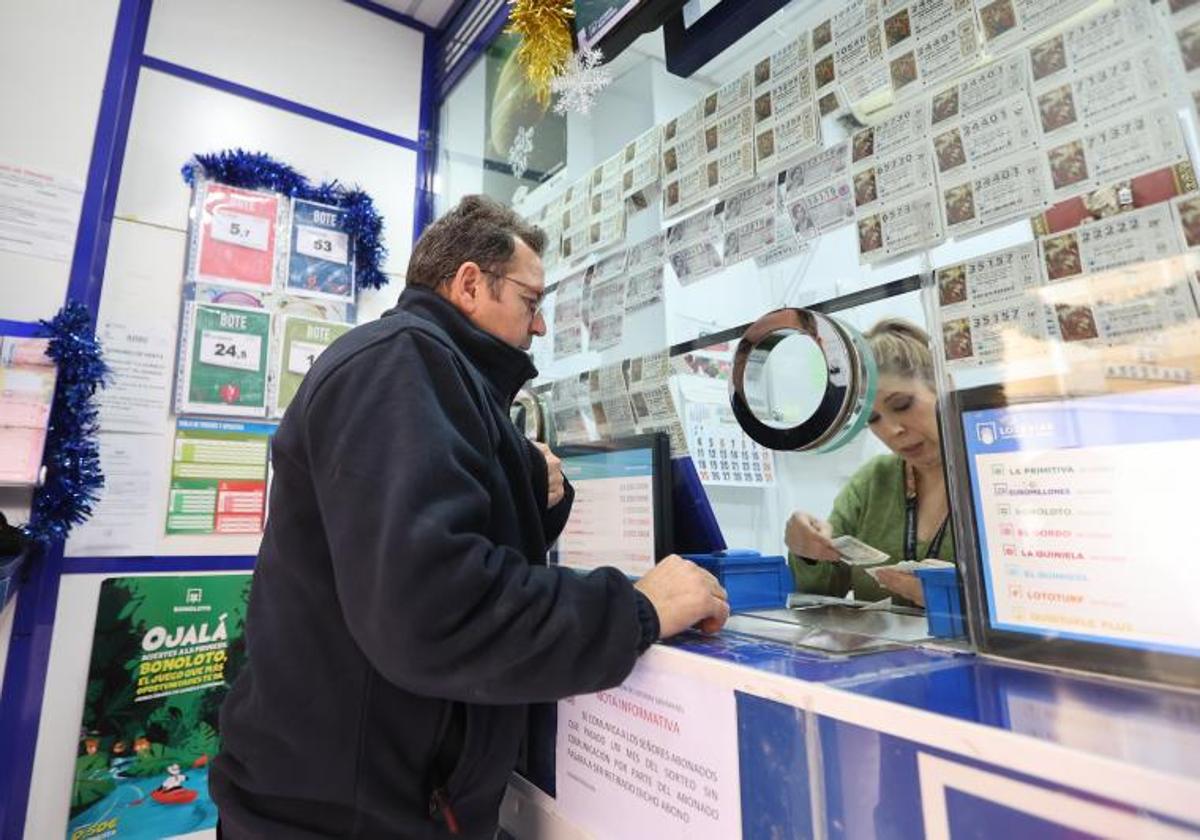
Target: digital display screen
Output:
{"points": [[612, 521], [1084, 512]]}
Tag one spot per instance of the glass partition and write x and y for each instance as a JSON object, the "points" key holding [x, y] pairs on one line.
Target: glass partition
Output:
{"points": [[1014, 178]]}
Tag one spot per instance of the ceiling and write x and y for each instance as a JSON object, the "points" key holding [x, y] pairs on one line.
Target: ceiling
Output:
{"points": [[432, 12]]}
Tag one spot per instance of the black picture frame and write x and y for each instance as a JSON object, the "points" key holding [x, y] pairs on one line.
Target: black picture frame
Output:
{"points": [[690, 48], [647, 16]]}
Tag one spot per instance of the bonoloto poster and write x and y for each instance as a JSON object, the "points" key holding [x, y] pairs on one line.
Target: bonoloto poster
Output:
{"points": [[164, 652]]}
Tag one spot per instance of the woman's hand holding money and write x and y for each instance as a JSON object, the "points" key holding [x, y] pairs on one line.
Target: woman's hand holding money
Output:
{"points": [[809, 537]]}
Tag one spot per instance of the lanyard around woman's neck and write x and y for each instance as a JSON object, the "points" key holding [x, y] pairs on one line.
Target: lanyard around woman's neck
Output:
{"points": [[910, 519]]}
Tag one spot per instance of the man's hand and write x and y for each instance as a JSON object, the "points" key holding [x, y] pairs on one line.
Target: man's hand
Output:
{"points": [[684, 595], [554, 476]]}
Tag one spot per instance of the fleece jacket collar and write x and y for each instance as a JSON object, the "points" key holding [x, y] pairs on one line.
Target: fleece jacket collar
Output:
{"points": [[505, 368]]}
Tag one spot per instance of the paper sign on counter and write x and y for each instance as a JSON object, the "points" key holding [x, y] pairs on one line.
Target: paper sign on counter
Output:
{"points": [[654, 757]]}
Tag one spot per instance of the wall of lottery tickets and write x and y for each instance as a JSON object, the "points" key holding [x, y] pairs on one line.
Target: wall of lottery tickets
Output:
{"points": [[1008, 151]]}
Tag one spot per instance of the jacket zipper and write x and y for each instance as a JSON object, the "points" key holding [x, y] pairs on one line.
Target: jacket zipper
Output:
{"points": [[439, 804], [439, 798]]}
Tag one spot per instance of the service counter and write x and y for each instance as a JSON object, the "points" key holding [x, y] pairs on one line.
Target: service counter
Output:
{"points": [[737, 735]]}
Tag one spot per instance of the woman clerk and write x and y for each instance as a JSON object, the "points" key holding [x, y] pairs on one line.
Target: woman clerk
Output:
{"points": [[897, 502]]}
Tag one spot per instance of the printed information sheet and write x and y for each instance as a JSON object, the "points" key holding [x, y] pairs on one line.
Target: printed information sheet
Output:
{"points": [[125, 520], [27, 377], [301, 343], [39, 212], [321, 261], [223, 360], [235, 242], [218, 477], [137, 397], [654, 757], [1064, 492]]}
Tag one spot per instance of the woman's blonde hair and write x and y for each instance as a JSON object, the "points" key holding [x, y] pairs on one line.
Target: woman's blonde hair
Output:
{"points": [[901, 348]]}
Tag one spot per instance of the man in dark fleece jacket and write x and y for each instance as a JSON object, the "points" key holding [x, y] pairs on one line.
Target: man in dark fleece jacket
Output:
{"points": [[402, 614]]}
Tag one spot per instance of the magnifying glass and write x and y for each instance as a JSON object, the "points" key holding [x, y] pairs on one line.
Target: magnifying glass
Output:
{"points": [[802, 381], [528, 416]]}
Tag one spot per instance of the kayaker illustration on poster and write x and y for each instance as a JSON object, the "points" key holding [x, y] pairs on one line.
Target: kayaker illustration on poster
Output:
{"points": [[164, 652]]}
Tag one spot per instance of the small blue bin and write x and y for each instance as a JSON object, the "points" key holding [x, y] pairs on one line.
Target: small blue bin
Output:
{"points": [[10, 569], [753, 582], [943, 607]]}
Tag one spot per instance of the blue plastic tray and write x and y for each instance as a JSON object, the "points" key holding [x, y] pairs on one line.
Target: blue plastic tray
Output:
{"points": [[753, 581], [943, 607]]}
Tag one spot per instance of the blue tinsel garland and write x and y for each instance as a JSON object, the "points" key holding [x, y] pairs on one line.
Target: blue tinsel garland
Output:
{"points": [[72, 453], [257, 171]]}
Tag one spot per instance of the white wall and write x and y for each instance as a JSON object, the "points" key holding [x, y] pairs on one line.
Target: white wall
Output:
{"points": [[53, 57], [331, 56], [174, 118], [50, 91], [325, 54]]}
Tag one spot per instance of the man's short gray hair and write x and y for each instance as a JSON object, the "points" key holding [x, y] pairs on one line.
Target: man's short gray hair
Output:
{"points": [[479, 230]]}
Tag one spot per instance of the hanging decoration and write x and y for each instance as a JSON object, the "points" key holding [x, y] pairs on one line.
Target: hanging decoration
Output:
{"points": [[72, 452], [518, 152], [545, 30], [258, 171], [582, 79]]}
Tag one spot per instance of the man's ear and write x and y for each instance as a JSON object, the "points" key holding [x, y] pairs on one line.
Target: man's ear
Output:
{"points": [[466, 287]]}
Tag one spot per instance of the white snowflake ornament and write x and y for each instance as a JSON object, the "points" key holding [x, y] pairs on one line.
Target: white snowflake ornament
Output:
{"points": [[518, 152], [582, 79]]}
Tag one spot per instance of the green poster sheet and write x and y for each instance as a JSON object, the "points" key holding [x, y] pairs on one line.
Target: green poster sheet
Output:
{"points": [[218, 477], [164, 652], [303, 340], [226, 361]]}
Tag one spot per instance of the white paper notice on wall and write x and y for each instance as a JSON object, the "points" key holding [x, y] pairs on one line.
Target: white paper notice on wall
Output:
{"points": [[126, 518], [39, 212], [140, 357], [654, 757]]}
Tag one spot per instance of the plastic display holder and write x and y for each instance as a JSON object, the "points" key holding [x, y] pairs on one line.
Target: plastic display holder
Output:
{"points": [[1069, 411], [236, 237]]}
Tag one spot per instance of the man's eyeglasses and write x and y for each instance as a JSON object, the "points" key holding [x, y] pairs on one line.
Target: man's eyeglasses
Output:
{"points": [[535, 305]]}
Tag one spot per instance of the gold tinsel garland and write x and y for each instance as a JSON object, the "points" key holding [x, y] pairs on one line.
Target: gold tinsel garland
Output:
{"points": [[545, 30]]}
